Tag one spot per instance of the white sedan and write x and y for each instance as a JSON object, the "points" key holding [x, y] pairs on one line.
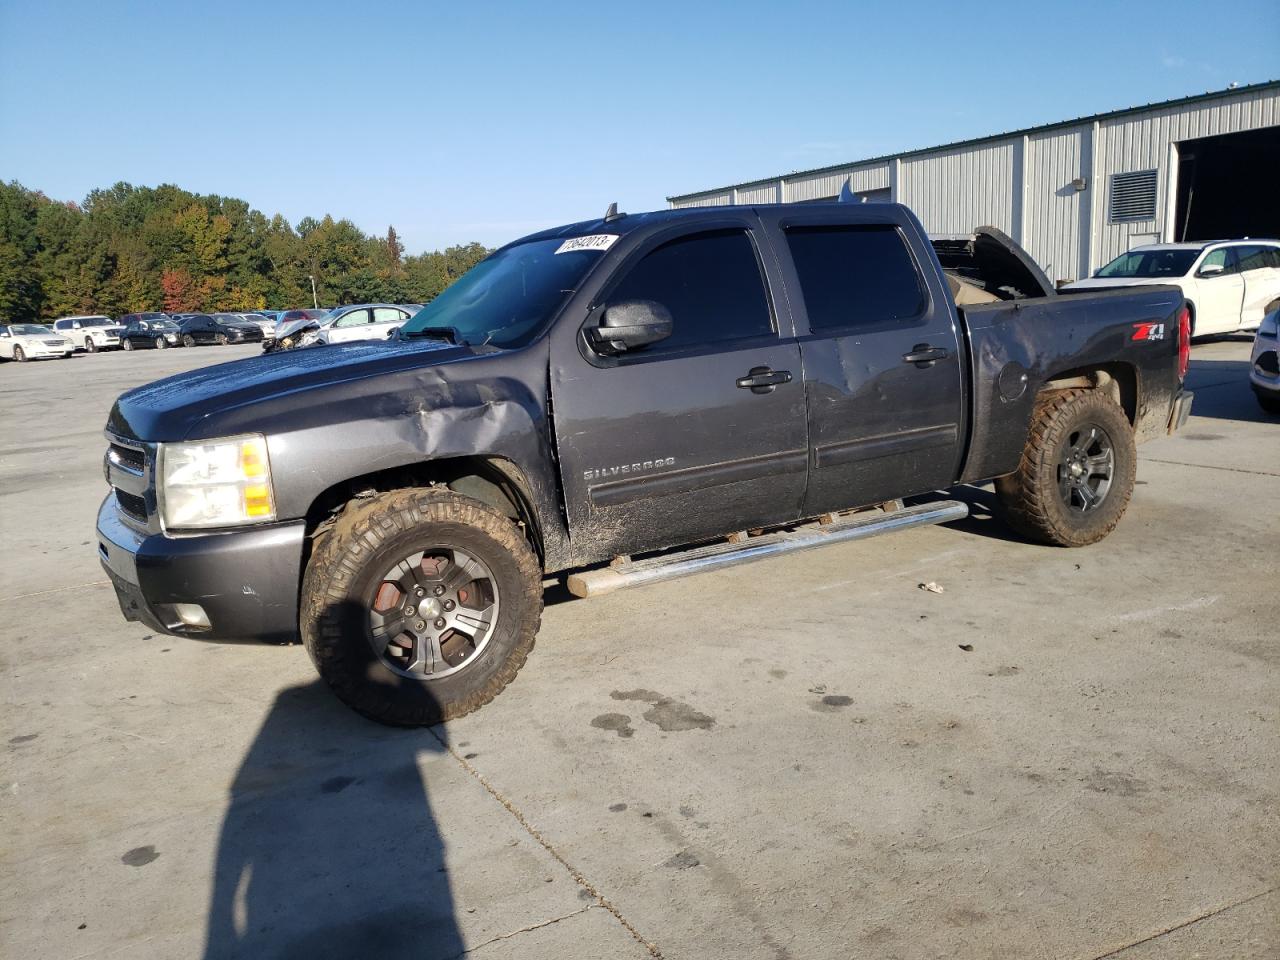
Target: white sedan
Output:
{"points": [[1227, 283], [32, 341], [360, 321]]}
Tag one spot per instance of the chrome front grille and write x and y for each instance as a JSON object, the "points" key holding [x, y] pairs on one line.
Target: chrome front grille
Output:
{"points": [[135, 507], [129, 466]]}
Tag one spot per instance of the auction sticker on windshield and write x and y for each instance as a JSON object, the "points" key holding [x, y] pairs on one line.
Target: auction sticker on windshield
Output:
{"points": [[597, 241]]}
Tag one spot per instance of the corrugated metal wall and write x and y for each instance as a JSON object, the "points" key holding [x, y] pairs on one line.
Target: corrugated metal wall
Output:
{"points": [[1141, 142], [817, 187], [1052, 207], [1023, 184], [957, 190]]}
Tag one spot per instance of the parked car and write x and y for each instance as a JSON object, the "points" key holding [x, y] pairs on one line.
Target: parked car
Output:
{"points": [[1264, 366], [32, 341], [288, 316], [1227, 283], [90, 333], [151, 331], [262, 321], [360, 321], [614, 388], [219, 328], [290, 328]]}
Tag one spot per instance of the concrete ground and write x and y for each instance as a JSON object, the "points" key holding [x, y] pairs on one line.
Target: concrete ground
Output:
{"points": [[1067, 754]]}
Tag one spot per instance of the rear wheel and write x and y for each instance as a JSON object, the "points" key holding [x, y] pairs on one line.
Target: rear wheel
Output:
{"points": [[188, 340], [1077, 470], [1269, 404], [420, 606], [126, 343]]}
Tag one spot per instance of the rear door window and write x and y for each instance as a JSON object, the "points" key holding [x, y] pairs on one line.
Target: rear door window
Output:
{"points": [[711, 283], [856, 277]]}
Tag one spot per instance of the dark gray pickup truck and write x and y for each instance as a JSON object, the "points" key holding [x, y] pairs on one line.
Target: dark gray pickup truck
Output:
{"points": [[630, 398]]}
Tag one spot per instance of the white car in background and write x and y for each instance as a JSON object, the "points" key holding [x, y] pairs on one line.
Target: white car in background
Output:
{"points": [[1264, 364], [1227, 283], [359, 321], [32, 341], [90, 333]]}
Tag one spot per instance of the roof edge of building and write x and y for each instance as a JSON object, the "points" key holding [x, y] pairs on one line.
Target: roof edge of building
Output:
{"points": [[989, 138]]}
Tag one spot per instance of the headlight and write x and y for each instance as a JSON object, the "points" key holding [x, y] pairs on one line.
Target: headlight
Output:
{"points": [[215, 483], [1270, 326]]}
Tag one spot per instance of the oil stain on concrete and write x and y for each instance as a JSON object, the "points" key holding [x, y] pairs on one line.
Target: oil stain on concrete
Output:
{"points": [[669, 715], [620, 723], [140, 856]]}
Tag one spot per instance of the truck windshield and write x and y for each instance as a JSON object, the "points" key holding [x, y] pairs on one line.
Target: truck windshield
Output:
{"points": [[1150, 263], [505, 298]]}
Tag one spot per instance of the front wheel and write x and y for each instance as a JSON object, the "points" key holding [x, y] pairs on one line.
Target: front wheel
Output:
{"points": [[90, 346], [19, 354], [1077, 470], [221, 339], [162, 343], [1269, 404], [420, 606]]}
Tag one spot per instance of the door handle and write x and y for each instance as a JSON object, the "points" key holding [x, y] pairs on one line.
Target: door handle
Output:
{"points": [[763, 379], [923, 355]]}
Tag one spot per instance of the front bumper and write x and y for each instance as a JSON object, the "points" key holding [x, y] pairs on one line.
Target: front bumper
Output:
{"points": [[1180, 410], [1264, 367], [245, 580]]}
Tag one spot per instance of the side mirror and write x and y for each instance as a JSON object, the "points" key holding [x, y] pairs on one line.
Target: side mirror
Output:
{"points": [[1211, 269], [630, 325]]}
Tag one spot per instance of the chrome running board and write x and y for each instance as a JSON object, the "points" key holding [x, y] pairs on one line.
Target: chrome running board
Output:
{"points": [[856, 526]]}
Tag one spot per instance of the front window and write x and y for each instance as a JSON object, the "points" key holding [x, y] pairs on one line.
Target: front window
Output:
{"points": [[507, 297], [1150, 264], [29, 330]]}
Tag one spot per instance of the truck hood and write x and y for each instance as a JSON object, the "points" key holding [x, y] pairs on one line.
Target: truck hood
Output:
{"points": [[173, 408]]}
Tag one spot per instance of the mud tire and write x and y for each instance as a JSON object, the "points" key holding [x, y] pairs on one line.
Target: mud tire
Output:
{"points": [[1030, 497], [340, 577]]}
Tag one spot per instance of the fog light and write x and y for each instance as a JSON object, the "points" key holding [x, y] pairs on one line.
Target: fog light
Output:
{"points": [[192, 615]]}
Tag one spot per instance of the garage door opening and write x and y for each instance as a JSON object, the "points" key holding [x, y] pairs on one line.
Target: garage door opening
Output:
{"points": [[1227, 186]]}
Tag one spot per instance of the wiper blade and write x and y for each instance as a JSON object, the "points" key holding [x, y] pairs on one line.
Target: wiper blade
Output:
{"points": [[450, 334]]}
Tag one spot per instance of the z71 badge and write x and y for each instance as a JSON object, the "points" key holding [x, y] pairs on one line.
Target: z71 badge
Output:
{"points": [[1148, 331], [607, 473]]}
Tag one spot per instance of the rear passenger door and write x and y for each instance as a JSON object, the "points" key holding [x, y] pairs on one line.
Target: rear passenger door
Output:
{"points": [[883, 381], [1259, 265], [695, 436]]}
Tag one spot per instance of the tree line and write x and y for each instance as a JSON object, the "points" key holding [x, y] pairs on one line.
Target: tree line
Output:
{"points": [[129, 249]]}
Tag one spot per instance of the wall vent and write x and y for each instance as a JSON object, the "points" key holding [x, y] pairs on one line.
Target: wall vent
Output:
{"points": [[1133, 196]]}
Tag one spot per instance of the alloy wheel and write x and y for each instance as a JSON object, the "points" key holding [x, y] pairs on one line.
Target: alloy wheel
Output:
{"points": [[433, 613], [1086, 468]]}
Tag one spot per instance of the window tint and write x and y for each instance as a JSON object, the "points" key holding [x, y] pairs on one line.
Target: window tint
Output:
{"points": [[1222, 257], [1254, 258], [711, 284], [860, 276]]}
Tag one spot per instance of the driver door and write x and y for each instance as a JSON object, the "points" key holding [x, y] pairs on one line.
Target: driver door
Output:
{"points": [[1219, 295], [685, 439]]}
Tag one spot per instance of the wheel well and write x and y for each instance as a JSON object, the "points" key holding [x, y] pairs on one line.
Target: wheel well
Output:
{"points": [[494, 481], [1119, 380]]}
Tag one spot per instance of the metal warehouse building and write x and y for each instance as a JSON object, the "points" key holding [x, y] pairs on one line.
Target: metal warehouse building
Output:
{"points": [[1078, 193]]}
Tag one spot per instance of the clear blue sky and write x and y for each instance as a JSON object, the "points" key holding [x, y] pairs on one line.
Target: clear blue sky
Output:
{"points": [[485, 120]]}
